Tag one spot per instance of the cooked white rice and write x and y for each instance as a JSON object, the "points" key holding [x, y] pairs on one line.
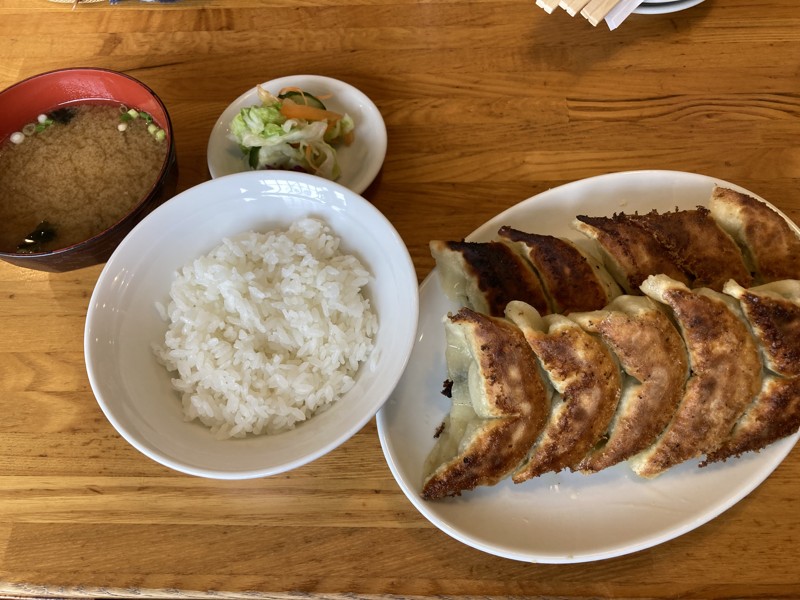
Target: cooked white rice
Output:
{"points": [[267, 329]]}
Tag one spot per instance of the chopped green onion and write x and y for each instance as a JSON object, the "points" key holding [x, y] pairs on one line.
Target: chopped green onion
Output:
{"points": [[29, 129], [152, 128], [122, 126], [134, 114], [161, 135], [146, 116], [17, 137], [39, 128]]}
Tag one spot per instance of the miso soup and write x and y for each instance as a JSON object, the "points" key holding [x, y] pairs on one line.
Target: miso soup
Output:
{"points": [[75, 172]]}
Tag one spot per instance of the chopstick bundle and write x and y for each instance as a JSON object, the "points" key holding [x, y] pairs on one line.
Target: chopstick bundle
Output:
{"points": [[573, 7], [594, 11]]}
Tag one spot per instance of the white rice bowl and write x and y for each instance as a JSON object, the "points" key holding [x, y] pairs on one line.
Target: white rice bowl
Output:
{"points": [[235, 375]]}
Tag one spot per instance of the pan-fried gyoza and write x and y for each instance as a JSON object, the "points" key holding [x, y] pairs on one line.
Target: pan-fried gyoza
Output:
{"points": [[486, 276], [769, 243], [653, 380], [630, 252], [499, 405], [725, 374], [702, 247], [660, 375], [773, 311], [571, 278], [587, 383]]}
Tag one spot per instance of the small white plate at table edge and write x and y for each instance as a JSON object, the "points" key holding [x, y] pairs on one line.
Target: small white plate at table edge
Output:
{"points": [[360, 162], [660, 7]]}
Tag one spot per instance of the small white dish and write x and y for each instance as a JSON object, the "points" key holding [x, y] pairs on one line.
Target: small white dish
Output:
{"points": [[661, 7], [360, 162], [561, 517], [133, 389]]}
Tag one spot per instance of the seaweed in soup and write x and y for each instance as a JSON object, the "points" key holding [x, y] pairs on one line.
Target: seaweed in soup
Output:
{"points": [[44, 232], [62, 115]]}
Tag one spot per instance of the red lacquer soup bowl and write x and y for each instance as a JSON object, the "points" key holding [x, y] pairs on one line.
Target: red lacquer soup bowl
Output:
{"points": [[42, 94]]}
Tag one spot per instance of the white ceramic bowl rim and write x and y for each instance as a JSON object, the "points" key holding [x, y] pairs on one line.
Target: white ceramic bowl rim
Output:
{"points": [[122, 323]]}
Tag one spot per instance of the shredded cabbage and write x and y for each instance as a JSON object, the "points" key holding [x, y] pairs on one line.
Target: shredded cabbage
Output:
{"points": [[271, 141]]}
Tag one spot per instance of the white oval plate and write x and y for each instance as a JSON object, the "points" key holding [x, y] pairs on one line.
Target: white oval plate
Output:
{"points": [[133, 389], [360, 162], [661, 7], [560, 517]]}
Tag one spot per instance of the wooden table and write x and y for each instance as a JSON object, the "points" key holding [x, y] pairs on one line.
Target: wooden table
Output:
{"points": [[487, 102]]}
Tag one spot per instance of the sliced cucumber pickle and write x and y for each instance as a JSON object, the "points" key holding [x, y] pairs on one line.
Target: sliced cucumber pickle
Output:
{"points": [[302, 98], [252, 157]]}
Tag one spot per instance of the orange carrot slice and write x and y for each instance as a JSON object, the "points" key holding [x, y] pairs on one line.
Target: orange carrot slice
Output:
{"points": [[292, 110]]}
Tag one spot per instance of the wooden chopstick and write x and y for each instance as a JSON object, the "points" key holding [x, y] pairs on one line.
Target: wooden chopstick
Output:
{"points": [[573, 7], [548, 5], [593, 10], [596, 10]]}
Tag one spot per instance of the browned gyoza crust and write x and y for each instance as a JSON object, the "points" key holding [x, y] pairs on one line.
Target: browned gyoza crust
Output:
{"points": [[571, 279], [773, 415], [631, 252], [588, 380], [726, 375], [699, 245], [773, 311], [486, 276], [652, 354], [769, 243], [508, 399]]}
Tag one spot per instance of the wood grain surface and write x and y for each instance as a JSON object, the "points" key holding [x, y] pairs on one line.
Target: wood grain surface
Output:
{"points": [[486, 102]]}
